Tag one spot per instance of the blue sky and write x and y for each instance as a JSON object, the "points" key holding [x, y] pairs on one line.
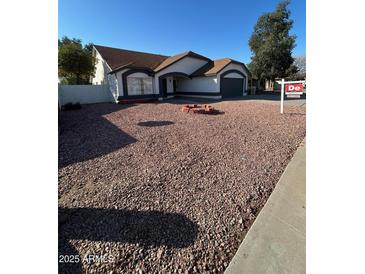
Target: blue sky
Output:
{"points": [[216, 29]]}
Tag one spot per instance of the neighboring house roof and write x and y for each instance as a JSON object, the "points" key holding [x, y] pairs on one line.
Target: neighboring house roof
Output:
{"points": [[173, 59], [120, 58], [215, 66]]}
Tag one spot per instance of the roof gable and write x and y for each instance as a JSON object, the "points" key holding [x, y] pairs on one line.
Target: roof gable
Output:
{"points": [[173, 59], [215, 66]]}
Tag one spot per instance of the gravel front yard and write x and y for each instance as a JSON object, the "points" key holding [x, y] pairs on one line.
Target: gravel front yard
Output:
{"points": [[150, 189]]}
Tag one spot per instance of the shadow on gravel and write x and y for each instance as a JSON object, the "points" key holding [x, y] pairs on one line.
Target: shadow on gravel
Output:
{"points": [[155, 123], [85, 134], [148, 228], [190, 101], [217, 112], [294, 114]]}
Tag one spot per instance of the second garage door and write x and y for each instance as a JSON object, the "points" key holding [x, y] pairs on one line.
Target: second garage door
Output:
{"points": [[232, 87]]}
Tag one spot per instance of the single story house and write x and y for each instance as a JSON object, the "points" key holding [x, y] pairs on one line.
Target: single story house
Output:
{"points": [[132, 74]]}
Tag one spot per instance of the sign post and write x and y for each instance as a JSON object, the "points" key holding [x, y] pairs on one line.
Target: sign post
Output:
{"points": [[282, 96]]}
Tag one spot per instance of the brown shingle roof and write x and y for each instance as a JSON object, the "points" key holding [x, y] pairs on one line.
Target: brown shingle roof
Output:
{"points": [[173, 59], [215, 66], [212, 67], [119, 58]]}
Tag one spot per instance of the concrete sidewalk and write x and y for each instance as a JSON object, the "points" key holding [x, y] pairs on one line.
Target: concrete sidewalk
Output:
{"points": [[276, 241]]}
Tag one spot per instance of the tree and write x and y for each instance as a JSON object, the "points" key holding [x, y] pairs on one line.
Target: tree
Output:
{"points": [[297, 71], [272, 45], [300, 63], [76, 64]]}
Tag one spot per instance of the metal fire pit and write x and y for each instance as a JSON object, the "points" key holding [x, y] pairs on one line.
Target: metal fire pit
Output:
{"points": [[206, 109]]}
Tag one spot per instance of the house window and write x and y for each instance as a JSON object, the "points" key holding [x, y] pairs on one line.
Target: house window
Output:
{"points": [[139, 86]]}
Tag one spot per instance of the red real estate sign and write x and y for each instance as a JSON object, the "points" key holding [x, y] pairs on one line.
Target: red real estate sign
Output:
{"points": [[294, 88]]}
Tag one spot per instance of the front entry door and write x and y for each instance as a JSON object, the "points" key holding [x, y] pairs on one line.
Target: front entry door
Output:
{"points": [[174, 82], [164, 87]]}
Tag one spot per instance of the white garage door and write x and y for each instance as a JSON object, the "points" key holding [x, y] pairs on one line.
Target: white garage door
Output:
{"points": [[139, 85]]}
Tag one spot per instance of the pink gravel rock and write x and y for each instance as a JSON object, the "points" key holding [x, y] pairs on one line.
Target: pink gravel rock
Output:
{"points": [[211, 175]]}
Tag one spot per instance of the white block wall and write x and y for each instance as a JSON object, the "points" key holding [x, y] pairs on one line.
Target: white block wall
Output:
{"points": [[84, 94]]}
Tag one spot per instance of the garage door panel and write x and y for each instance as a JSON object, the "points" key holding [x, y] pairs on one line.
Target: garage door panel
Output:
{"points": [[232, 87]]}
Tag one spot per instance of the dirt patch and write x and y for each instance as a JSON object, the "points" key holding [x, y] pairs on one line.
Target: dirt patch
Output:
{"points": [[161, 196]]}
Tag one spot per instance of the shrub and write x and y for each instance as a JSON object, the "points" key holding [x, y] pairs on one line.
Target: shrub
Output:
{"points": [[71, 106]]}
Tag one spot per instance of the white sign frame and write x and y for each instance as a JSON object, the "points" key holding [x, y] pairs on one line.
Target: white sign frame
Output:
{"points": [[283, 83]]}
